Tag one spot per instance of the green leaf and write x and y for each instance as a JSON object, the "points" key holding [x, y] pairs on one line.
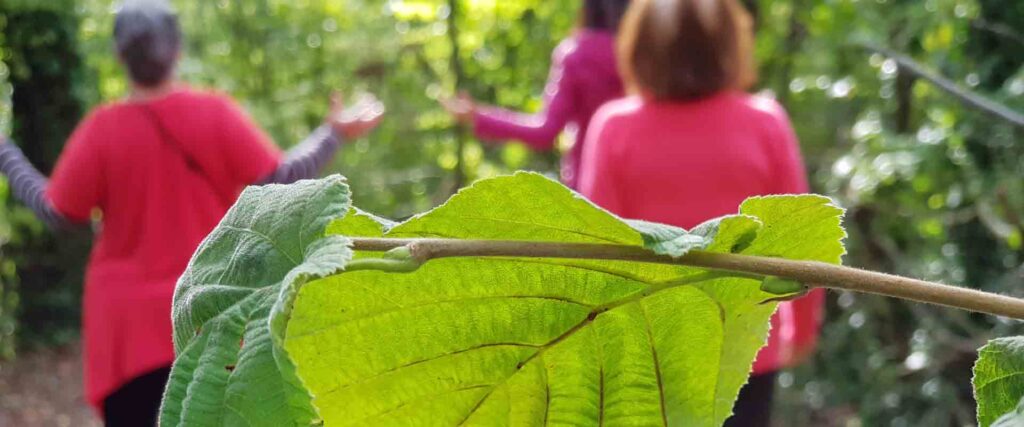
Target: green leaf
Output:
{"points": [[1014, 418], [739, 231], [229, 370], [359, 224], [516, 341], [999, 378]]}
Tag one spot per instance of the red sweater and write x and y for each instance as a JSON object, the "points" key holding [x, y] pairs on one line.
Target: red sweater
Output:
{"points": [[156, 210], [685, 163]]}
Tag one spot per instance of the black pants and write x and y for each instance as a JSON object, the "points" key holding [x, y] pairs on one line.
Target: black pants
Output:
{"points": [[136, 404], [754, 405]]}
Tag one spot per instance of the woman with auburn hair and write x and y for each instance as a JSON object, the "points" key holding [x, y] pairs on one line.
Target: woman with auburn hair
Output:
{"points": [[690, 145], [583, 77]]}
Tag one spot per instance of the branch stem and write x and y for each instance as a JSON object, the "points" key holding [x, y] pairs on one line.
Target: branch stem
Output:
{"points": [[964, 96], [812, 273]]}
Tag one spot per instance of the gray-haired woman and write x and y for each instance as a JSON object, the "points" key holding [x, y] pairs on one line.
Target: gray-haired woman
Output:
{"points": [[161, 167]]}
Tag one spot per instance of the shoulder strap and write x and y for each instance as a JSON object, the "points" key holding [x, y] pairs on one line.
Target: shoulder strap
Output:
{"points": [[168, 139]]}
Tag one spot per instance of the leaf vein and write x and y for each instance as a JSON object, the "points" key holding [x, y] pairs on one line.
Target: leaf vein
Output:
{"points": [[263, 237], [657, 366], [363, 381], [362, 421], [992, 381]]}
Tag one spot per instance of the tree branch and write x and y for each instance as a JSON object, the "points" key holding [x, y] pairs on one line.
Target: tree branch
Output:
{"points": [[966, 97], [458, 76], [1002, 30], [816, 274]]}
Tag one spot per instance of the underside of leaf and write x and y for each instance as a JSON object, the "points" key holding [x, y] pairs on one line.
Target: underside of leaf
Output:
{"points": [[229, 370], [540, 341], [267, 317], [999, 380]]}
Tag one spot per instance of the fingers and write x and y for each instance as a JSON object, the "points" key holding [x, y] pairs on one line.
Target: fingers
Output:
{"points": [[370, 108], [357, 119], [368, 114], [460, 106], [372, 116]]}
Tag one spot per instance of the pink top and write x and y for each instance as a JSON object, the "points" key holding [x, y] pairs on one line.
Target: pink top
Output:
{"points": [[155, 210], [685, 163], [583, 77]]}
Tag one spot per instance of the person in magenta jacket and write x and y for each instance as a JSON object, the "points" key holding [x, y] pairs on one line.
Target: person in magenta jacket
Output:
{"points": [[583, 76], [690, 145]]}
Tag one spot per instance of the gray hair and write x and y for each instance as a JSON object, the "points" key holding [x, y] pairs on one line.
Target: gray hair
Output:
{"points": [[147, 37]]}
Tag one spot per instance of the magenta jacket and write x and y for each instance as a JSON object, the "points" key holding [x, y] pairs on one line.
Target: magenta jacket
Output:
{"points": [[583, 77]]}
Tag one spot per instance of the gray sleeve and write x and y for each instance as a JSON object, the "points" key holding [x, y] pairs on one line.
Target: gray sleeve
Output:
{"points": [[306, 160], [29, 186]]}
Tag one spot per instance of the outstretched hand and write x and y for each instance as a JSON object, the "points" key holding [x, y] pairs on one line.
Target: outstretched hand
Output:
{"points": [[462, 108], [357, 120]]}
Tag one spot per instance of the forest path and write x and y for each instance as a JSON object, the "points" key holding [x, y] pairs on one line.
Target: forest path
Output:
{"points": [[44, 388]]}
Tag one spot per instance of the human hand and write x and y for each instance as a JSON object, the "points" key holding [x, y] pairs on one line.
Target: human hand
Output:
{"points": [[462, 107], [357, 120]]}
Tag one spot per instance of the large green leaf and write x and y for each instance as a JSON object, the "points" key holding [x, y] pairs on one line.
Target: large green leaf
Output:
{"points": [[485, 341], [229, 371], [531, 342], [999, 379]]}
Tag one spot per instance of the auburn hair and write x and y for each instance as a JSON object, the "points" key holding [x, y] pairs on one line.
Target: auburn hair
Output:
{"points": [[682, 50]]}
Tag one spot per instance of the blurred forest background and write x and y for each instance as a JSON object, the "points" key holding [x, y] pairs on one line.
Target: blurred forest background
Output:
{"points": [[908, 112]]}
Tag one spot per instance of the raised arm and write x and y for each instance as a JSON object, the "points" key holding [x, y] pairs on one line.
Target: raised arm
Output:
{"points": [[254, 159], [29, 186], [75, 188], [539, 130], [306, 160]]}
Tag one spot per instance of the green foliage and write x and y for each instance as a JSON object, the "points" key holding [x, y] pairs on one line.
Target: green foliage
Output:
{"points": [[484, 341], [45, 72], [43, 86], [933, 190], [8, 284], [999, 381], [8, 291]]}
